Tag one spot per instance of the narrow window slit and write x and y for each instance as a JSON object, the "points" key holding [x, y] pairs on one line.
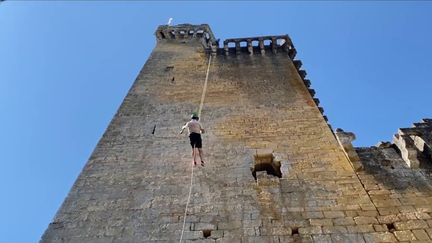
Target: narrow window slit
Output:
{"points": [[154, 129]]}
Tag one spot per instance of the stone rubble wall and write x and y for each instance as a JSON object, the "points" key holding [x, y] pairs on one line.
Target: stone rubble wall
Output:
{"points": [[402, 195], [398, 179]]}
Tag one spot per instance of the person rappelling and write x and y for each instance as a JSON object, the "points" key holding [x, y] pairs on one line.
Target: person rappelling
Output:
{"points": [[195, 130]]}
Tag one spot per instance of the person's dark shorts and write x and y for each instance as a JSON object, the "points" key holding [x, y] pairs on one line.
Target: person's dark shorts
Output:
{"points": [[195, 140]]}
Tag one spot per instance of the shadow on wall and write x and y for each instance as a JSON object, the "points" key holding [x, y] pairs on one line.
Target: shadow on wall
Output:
{"points": [[389, 169]]}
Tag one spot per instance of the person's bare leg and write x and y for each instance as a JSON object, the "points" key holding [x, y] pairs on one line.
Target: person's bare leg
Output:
{"points": [[201, 155], [194, 155]]}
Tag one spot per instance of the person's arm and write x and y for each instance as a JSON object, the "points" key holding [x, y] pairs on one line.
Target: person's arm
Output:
{"points": [[183, 128], [201, 128]]}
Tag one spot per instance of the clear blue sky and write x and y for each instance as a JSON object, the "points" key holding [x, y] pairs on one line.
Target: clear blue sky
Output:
{"points": [[65, 68]]}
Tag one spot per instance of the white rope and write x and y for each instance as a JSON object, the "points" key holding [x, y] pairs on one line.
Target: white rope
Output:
{"points": [[190, 192], [204, 88], [193, 153]]}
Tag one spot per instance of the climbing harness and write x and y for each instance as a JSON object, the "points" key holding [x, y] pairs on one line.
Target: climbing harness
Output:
{"points": [[193, 153]]}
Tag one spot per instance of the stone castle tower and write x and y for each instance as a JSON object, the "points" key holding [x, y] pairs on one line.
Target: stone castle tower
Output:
{"points": [[260, 114]]}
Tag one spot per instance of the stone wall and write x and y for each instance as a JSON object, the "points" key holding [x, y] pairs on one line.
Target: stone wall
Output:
{"points": [[135, 185], [398, 179]]}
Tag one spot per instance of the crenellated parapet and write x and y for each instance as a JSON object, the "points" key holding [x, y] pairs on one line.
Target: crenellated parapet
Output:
{"points": [[247, 46], [263, 45], [259, 45], [415, 143], [183, 32]]}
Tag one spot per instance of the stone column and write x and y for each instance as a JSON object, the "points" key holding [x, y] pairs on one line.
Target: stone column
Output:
{"points": [[261, 46], [286, 45], [273, 45], [237, 47], [226, 48], [407, 149], [250, 47]]}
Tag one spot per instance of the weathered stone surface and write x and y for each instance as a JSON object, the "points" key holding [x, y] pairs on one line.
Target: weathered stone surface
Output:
{"points": [[411, 224], [320, 222], [360, 228], [365, 220], [421, 234], [380, 237], [322, 238], [343, 221], [404, 235], [347, 238], [312, 230], [134, 186]]}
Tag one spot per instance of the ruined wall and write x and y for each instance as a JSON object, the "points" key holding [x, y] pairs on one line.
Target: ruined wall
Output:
{"points": [[135, 185], [399, 184]]}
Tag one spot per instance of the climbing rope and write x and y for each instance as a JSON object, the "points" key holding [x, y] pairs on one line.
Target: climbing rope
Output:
{"points": [[193, 153], [204, 88], [189, 196]]}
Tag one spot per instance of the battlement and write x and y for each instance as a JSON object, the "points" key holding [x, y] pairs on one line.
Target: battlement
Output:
{"points": [[274, 44], [415, 143], [188, 31], [232, 46], [259, 45], [248, 46]]}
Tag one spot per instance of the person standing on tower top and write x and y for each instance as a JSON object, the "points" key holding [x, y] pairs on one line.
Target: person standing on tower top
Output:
{"points": [[195, 129]]}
